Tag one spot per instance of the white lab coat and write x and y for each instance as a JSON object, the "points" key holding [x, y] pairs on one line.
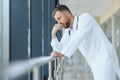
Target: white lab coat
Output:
{"points": [[94, 46]]}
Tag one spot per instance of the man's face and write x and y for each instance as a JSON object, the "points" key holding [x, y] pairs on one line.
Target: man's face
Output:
{"points": [[62, 18]]}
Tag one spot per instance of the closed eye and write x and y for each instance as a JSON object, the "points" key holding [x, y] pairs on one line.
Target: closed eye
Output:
{"points": [[58, 18]]}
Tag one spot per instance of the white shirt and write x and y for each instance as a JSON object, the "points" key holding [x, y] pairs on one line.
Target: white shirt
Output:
{"points": [[89, 39]]}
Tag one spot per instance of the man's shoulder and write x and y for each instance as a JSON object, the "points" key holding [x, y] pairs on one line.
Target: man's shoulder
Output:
{"points": [[85, 18], [85, 15]]}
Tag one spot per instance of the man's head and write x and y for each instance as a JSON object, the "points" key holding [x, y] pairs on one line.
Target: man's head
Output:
{"points": [[62, 15]]}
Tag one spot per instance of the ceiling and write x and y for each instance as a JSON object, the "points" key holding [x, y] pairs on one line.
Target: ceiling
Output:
{"points": [[95, 7]]}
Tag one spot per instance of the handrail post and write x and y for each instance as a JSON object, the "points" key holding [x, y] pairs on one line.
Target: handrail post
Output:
{"points": [[36, 73], [55, 71], [50, 71]]}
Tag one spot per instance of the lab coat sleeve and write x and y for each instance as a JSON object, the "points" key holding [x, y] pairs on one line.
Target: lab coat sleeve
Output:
{"points": [[59, 45], [56, 45], [84, 28]]}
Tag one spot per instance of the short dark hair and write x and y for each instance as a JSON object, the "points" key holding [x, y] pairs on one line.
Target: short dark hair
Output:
{"points": [[61, 8]]}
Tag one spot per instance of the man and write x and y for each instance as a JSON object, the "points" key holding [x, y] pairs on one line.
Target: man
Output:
{"points": [[83, 33]]}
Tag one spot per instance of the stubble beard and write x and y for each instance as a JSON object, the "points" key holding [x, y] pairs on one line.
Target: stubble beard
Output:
{"points": [[67, 24]]}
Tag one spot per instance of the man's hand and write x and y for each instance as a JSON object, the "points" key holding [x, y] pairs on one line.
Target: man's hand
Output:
{"points": [[55, 29], [56, 54]]}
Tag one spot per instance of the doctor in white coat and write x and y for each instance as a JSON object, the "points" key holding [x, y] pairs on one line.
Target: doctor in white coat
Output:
{"points": [[83, 33]]}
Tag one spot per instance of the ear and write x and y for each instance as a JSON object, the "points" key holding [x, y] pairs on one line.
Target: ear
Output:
{"points": [[67, 13]]}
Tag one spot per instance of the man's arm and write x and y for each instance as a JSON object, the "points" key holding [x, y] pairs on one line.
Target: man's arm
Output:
{"points": [[57, 47]]}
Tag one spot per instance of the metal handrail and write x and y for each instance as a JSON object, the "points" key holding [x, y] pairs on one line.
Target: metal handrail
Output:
{"points": [[19, 68]]}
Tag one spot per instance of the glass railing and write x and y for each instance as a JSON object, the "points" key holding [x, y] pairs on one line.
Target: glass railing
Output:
{"points": [[20, 68]]}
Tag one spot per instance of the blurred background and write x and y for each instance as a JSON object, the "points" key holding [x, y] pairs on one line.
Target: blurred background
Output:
{"points": [[25, 32]]}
